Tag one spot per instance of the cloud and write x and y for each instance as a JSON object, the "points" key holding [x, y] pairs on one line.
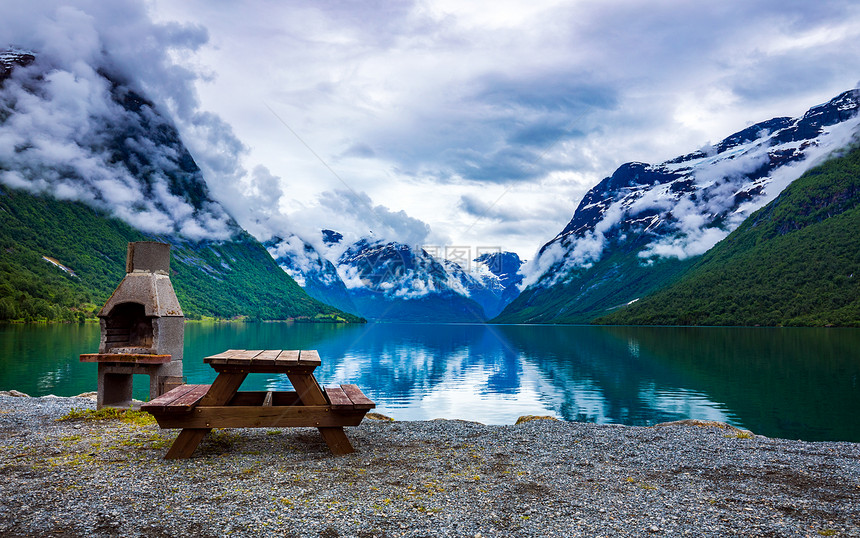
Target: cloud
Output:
{"points": [[354, 209], [535, 268], [701, 224], [408, 97], [360, 150], [300, 260], [64, 128], [355, 216], [481, 207], [66, 124]]}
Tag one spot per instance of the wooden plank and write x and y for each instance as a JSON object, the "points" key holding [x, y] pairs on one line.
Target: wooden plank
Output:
{"points": [[125, 358], [230, 416], [267, 357], [219, 393], [267, 401], [251, 368], [187, 401], [337, 440], [338, 398], [287, 358], [357, 397], [242, 357], [220, 358], [157, 404], [222, 355], [309, 356], [285, 398], [248, 397], [310, 394], [257, 397]]}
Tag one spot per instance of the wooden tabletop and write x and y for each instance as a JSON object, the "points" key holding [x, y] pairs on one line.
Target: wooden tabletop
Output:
{"points": [[264, 360]]}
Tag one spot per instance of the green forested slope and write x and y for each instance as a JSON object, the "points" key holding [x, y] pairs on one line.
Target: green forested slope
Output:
{"points": [[795, 262], [219, 279], [587, 293]]}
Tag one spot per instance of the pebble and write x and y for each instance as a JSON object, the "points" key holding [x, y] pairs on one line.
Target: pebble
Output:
{"points": [[434, 478]]}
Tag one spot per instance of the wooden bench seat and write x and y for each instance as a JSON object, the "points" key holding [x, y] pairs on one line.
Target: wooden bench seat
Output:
{"points": [[348, 397], [182, 399]]}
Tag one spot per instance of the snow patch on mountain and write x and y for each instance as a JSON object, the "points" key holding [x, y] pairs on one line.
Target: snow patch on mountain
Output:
{"points": [[373, 269], [683, 207]]}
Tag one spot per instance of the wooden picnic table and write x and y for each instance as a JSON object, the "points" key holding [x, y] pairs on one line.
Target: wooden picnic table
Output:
{"points": [[199, 408]]}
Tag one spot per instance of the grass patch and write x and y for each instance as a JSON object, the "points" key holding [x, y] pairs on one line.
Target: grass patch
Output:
{"points": [[154, 441], [641, 485], [129, 416], [70, 460]]}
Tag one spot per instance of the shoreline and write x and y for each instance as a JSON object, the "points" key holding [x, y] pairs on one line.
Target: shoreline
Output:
{"points": [[433, 478]]}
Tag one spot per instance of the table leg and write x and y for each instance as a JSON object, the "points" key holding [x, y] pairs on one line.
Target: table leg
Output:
{"points": [[310, 393], [336, 440], [185, 444], [221, 391]]}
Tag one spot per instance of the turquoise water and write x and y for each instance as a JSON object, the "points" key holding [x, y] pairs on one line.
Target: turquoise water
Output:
{"points": [[791, 383]]}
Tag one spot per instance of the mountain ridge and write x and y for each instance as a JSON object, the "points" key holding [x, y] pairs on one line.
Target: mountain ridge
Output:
{"points": [[795, 262], [637, 229], [391, 281]]}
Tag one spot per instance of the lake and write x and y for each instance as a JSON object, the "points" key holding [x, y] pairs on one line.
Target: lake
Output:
{"points": [[791, 383]]}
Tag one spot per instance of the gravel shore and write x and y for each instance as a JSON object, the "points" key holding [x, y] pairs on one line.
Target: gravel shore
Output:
{"points": [[434, 478]]}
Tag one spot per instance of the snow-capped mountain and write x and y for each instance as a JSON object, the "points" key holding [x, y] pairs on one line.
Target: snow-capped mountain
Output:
{"points": [[501, 271], [393, 281], [315, 274], [89, 163], [639, 228]]}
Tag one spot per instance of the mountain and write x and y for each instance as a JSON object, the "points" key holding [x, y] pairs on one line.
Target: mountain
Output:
{"points": [[88, 164], [387, 280], [13, 58], [794, 262], [646, 225], [499, 272], [314, 273]]}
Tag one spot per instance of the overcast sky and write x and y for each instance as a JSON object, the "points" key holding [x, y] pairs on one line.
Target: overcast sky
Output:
{"points": [[474, 124]]}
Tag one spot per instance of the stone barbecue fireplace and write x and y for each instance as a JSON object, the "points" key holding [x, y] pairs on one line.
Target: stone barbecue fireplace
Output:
{"points": [[142, 329], [127, 329]]}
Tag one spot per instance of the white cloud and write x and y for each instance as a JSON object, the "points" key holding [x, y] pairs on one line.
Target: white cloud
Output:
{"points": [[417, 105], [452, 99], [63, 127]]}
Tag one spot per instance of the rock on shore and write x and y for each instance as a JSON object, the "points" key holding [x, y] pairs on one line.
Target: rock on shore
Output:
{"points": [[434, 478]]}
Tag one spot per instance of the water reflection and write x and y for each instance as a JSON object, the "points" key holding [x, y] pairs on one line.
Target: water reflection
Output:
{"points": [[418, 372], [609, 379], [798, 383], [42, 360]]}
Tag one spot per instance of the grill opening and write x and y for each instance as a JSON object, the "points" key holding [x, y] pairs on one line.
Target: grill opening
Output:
{"points": [[129, 330]]}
